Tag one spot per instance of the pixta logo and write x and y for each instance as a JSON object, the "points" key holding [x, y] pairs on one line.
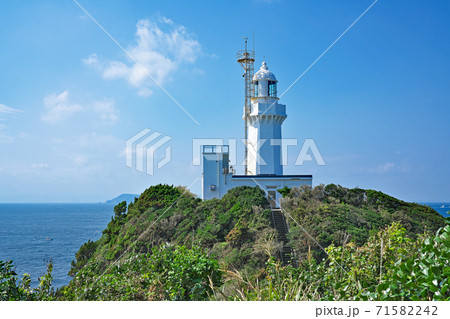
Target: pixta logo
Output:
{"points": [[141, 150], [309, 151]]}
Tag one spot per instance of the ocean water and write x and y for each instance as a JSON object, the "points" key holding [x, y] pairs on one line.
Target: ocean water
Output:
{"points": [[31, 234], [441, 208]]}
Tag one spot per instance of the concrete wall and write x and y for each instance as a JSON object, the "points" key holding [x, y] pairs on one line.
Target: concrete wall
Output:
{"points": [[215, 175]]}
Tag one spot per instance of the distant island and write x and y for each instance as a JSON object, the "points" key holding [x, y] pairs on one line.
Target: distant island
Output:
{"points": [[123, 197]]}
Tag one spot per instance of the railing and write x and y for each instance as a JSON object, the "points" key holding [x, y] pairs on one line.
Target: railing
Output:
{"points": [[245, 54], [212, 149], [272, 219], [294, 255]]}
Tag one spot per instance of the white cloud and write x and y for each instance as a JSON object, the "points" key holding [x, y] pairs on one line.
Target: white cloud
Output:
{"points": [[162, 47], [387, 167], [383, 168], [91, 60], [198, 71], [106, 111], [8, 110], [5, 111], [95, 141], [5, 138], [40, 166], [80, 160], [144, 92], [56, 140], [24, 135], [58, 108]]}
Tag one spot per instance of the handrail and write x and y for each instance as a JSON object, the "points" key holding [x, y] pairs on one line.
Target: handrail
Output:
{"points": [[294, 255], [272, 217]]}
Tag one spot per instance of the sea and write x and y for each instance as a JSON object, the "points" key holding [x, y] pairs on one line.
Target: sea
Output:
{"points": [[33, 234]]}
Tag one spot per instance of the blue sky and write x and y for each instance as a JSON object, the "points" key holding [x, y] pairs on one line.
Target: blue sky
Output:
{"points": [[377, 104]]}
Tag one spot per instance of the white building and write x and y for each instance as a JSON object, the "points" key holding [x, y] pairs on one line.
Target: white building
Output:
{"points": [[264, 126], [263, 117]]}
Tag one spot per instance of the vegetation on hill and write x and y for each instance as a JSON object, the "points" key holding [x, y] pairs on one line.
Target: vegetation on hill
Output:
{"points": [[389, 266], [233, 229], [228, 227], [170, 245], [13, 289], [337, 215]]}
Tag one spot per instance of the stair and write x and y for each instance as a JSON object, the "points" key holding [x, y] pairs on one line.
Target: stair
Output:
{"points": [[279, 223]]}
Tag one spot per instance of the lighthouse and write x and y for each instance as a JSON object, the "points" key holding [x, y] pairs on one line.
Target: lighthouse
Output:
{"points": [[264, 126], [263, 117]]}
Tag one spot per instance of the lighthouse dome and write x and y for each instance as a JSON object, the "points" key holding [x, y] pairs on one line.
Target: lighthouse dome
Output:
{"points": [[264, 74]]}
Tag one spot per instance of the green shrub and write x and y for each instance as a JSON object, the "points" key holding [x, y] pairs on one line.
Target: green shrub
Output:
{"points": [[82, 256], [159, 196], [168, 273], [12, 289]]}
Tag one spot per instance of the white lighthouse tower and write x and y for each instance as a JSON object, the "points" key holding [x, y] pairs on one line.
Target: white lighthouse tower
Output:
{"points": [[263, 117], [264, 126]]}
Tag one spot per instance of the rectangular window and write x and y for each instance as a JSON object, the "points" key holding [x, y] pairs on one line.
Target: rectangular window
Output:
{"points": [[272, 88]]}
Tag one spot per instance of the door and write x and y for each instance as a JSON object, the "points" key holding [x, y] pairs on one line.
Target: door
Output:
{"points": [[272, 196]]}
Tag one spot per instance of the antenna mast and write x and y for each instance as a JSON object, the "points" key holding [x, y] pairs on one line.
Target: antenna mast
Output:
{"points": [[246, 59]]}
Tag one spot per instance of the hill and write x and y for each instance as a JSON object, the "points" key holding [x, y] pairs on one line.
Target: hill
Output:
{"points": [[123, 197], [167, 228], [337, 215], [228, 227]]}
